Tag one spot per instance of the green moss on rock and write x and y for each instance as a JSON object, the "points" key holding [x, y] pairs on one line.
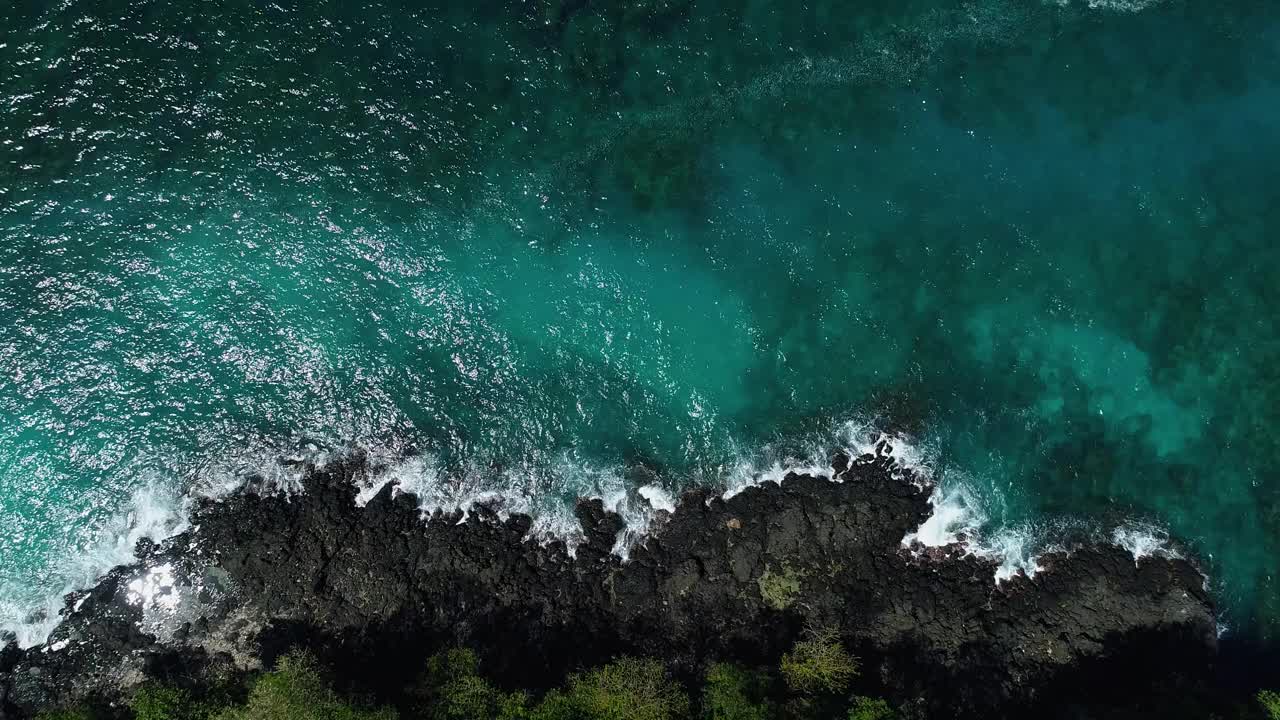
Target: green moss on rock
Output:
{"points": [[779, 589]]}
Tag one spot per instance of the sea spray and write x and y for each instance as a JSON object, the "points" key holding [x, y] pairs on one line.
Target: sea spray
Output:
{"points": [[958, 518], [1144, 539], [546, 493], [155, 512], [812, 454]]}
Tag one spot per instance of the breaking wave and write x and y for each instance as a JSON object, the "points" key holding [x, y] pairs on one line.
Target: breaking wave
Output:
{"points": [[1144, 540], [959, 519], [155, 511], [547, 492]]}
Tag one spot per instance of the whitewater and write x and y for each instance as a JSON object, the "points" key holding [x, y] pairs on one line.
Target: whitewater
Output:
{"points": [[519, 258], [156, 513]]}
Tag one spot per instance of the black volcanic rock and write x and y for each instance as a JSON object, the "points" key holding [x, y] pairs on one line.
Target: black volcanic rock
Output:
{"points": [[376, 589]]}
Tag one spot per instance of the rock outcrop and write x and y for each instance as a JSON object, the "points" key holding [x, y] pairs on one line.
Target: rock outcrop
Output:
{"points": [[376, 589]]}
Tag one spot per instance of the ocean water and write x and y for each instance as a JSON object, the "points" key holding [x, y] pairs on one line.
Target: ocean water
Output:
{"points": [[522, 249]]}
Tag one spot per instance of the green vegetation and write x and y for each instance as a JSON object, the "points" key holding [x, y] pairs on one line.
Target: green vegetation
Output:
{"points": [[1270, 702], [819, 664], [296, 690], [161, 702], [732, 693], [627, 689], [817, 673], [812, 682], [779, 589], [865, 708], [453, 689]]}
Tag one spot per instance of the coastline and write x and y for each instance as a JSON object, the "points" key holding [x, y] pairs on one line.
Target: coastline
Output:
{"points": [[374, 589]]}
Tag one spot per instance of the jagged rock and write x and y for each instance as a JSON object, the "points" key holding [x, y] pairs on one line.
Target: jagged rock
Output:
{"points": [[376, 589]]}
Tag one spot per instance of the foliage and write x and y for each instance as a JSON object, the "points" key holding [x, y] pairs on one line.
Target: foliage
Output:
{"points": [[451, 665], [732, 693], [626, 689], [161, 702], [512, 706], [819, 664], [865, 708], [556, 705], [1270, 702], [453, 689], [297, 690]]}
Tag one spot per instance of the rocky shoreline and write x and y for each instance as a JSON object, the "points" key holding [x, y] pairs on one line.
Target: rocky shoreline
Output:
{"points": [[375, 590]]}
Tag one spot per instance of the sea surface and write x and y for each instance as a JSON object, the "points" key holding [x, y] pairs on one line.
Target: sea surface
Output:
{"points": [[537, 249]]}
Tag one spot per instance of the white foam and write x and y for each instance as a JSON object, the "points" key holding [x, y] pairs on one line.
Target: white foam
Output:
{"points": [[545, 492], [639, 511], [523, 489], [417, 474], [955, 519], [1017, 551], [266, 467], [855, 438], [748, 472], [29, 626], [154, 588], [658, 498], [154, 511], [1144, 540], [958, 519], [1129, 6]]}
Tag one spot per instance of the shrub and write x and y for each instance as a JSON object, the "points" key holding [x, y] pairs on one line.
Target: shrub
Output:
{"points": [[626, 689], [732, 693], [555, 705], [465, 698], [819, 664], [1270, 702], [865, 708], [453, 689], [512, 706], [160, 702], [452, 665], [296, 690]]}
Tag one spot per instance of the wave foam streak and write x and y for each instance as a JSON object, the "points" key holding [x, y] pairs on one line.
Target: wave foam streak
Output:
{"points": [[960, 519], [546, 491], [154, 512]]}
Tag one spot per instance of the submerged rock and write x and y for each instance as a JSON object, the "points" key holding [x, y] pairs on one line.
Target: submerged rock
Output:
{"points": [[376, 589]]}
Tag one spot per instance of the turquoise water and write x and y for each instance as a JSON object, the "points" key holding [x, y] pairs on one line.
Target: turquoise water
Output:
{"points": [[537, 243]]}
